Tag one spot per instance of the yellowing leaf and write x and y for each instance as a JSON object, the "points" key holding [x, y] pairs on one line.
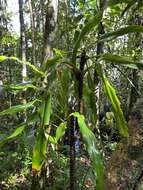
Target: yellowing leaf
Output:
{"points": [[39, 151]]}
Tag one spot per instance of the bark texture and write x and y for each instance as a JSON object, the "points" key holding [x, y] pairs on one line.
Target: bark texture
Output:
{"points": [[22, 39], [125, 168], [50, 28]]}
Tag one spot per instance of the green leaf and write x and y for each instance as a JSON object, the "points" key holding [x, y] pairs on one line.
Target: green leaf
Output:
{"points": [[3, 58], [17, 132], [19, 108], [114, 2], [86, 29], [51, 63], [45, 110], [39, 151], [119, 117], [60, 131], [90, 141], [121, 32], [90, 95], [22, 86], [34, 68], [125, 61]]}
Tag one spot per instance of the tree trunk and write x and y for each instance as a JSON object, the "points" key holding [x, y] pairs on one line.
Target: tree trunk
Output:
{"points": [[50, 28], [100, 50], [33, 32], [46, 176], [22, 39], [134, 95]]}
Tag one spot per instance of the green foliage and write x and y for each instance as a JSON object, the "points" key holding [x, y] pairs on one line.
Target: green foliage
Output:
{"points": [[21, 86], [125, 61], [114, 2], [90, 141], [17, 132], [19, 108], [93, 22], [119, 117], [60, 131], [32, 67], [45, 111], [62, 74], [39, 151], [121, 32]]}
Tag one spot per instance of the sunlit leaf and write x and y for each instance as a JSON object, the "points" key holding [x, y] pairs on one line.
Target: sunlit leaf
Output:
{"points": [[3, 58], [90, 141], [15, 109], [34, 68], [22, 86], [39, 151]]}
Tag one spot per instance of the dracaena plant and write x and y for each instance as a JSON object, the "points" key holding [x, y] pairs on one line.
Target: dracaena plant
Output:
{"points": [[59, 70]]}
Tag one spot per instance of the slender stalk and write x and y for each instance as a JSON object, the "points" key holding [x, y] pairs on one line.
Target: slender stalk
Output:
{"points": [[72, 152]]}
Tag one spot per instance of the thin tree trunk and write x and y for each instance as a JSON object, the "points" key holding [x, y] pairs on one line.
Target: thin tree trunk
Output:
{"points": [[22, 40], [33, 32], [100, 50], [73, 122], [46, 177], [50, 28], [71, 126]]}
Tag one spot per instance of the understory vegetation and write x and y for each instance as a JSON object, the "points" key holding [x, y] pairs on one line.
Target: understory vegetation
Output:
{"points": [[71, 89]]}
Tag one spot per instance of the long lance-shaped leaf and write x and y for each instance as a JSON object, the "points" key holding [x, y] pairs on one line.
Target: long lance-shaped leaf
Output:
{"points": [[17, 132], [121, 32], [86, 29], [45, 111], [22, 86], [90, 141], [119, 117], [125, 61], [19, 108], [34, 68], [60, 131], [39, 151]]}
